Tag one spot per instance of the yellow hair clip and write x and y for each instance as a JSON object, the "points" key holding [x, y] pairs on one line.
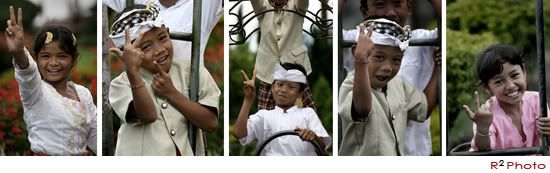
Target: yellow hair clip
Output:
{"points": [[74, 40], [49, 37]]}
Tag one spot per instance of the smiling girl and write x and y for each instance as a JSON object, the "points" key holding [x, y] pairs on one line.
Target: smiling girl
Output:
{"points": [[510, 118], [60, 115]]}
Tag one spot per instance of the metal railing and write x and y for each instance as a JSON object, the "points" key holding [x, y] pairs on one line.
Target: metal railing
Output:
{"points": [[321, 27]]}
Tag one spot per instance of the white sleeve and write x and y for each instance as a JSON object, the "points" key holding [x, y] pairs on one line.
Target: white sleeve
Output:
{"points": [[116, 5], [211, 13], [30, 82], [315, 125], [92, 134], [254, 128]]}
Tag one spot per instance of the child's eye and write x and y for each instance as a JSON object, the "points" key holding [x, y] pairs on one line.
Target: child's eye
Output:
{"points": [[397, 3], [145, 46], [378, 57], [515, 75], [397, 61], [498, 82], [163, 37]]}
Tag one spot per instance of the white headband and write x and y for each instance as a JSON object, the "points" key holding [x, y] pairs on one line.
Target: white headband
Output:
{"points": [[138, 21], [292, 75], [388, 33]]}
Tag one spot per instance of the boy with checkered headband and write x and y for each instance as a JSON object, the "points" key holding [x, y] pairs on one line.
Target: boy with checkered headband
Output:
{"points": [[288, 85], [375, 104], [151, 95]]}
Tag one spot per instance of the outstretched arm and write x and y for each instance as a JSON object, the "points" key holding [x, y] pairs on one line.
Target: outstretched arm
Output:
{"points": [[240, 130], [362, 98], [483, 118], [431, 89]]}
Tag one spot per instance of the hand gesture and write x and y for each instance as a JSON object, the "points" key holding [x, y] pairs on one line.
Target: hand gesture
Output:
{"points": [[132, 54], [483, 116], [436, 52], [14, 32], [543, 124], [162, 83], [249, 86], [306, 134], [362, 49]]}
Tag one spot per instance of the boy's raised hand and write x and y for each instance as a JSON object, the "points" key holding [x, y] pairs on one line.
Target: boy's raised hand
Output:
{"points": [[362, 49], [483, 116], [14, 32], [162, 83], [132, 54], [249, 86]]}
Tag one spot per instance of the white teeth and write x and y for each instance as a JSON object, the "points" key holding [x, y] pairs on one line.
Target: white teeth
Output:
{"points": [[513, 94], [54, 70]]}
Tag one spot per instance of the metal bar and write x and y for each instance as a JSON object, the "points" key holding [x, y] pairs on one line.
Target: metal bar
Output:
{"points": [[181, 36], [507, 152], [195, 60], [542, 74], [412, 42], [107, 124]]}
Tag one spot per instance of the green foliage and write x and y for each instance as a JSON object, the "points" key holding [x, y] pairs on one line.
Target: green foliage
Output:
{"points": [[461, 56]]}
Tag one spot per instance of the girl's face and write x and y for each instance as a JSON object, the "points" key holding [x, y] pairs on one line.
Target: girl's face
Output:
{"points": [[508, 86], [54, 64], [156, 46], [384, 63], [285, 93]]}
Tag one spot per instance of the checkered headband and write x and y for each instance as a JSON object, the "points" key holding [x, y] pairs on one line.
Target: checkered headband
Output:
{"points": [[138, 21], [389, 33]]}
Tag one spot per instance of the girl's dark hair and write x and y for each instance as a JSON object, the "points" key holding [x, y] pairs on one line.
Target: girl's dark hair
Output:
{"points": [[64, 37], [291, 66], [490, 62]]}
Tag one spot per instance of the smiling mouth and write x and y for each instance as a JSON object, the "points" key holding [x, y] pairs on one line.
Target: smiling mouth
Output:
{"points": [[513, 94], [53, 70], [382, 78], [162, 60]]}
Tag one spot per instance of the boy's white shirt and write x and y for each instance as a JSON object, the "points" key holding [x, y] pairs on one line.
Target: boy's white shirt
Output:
{"points": [[179, 18], [416, 68], [267, 122], [56, 125]]}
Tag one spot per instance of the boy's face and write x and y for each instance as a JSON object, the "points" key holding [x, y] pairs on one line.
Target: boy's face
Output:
{"points": [[54, 64], [394, 10], [157, 46], [384, 63], [508, 86], [285, 93]]}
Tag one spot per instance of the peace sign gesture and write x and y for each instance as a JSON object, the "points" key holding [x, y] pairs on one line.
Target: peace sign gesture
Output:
{"points": [[132, 54], [483, 116], [249, 86], [14, 32]]}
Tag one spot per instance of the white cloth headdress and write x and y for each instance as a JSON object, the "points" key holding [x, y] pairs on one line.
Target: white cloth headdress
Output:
{"points": [[138, 21], [388, 33], [292, 75]]}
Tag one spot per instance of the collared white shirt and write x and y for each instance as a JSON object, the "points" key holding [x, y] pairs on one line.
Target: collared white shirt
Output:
{"points": [[416, 68], [57, 125], [179, 18], [267, 122]]}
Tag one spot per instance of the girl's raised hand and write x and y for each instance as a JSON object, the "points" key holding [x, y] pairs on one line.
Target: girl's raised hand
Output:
{"points": [[132, 54], [249, 86], [14, 32], [483, 116], [543, 124]]}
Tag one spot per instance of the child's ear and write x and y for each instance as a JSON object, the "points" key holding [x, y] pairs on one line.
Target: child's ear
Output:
{"points": [[488, 90], [353, 50]]}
